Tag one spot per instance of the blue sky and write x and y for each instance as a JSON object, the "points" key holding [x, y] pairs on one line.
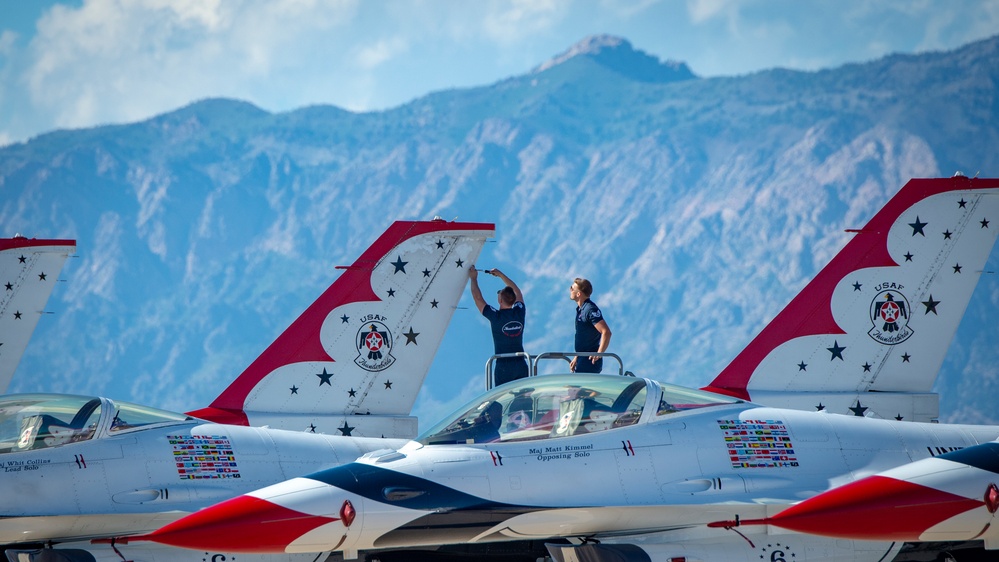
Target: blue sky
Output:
{"points": [[79, 63]]}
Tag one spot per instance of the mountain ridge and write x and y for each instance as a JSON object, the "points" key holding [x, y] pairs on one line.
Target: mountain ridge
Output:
{"points": [[698, 207]]}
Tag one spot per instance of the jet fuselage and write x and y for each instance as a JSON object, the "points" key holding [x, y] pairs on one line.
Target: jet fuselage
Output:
{"points": [[571, 456], [129, 468]]}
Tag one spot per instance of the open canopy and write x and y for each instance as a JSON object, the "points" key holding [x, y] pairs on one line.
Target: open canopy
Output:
{"points": [[562, 405]]}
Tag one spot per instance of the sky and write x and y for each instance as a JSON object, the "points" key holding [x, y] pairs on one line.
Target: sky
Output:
{"points": [[81, 63]]}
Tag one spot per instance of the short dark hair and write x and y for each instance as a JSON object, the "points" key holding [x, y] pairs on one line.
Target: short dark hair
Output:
{"points": [[507, 295], [584, 286]]}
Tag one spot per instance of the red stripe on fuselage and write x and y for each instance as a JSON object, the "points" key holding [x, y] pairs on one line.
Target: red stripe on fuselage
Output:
{"points": [[242, 524], [876, 508]]}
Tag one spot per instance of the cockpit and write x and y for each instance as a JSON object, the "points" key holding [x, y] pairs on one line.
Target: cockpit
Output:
{"points": [[39, 421], [543, 407]]}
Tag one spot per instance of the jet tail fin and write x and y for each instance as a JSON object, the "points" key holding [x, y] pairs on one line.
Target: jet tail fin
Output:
{"points": [[355, 360], [29, 269], [868, 335]]}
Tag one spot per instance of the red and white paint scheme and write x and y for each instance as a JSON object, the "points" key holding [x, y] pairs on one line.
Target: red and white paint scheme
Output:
{"points": [[639, 466], [953, 497], [75, 468], [869, 333], [356, 358], [637, 470], [29, 268]]}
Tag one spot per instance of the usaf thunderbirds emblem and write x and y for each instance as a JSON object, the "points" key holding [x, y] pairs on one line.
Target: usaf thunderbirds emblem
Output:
{"points": [[374, 346], [890, 316]]}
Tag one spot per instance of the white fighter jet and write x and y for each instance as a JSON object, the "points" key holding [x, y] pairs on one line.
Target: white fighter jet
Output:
{"points": [[631, 469], [344, 376], [29, 269]]}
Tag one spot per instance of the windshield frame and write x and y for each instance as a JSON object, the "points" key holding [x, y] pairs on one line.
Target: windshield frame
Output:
{"points": [[156, 417]]}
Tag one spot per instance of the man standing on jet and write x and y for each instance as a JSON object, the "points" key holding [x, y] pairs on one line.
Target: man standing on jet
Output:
{"points": [[592, 332], [507, 325]]}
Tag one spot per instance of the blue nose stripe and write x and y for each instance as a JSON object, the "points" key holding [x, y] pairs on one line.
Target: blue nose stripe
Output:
{"points": [[984, 456], [403, 490]]}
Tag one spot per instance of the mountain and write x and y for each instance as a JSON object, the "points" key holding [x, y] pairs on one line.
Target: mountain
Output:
{"points": [[697, 206]]}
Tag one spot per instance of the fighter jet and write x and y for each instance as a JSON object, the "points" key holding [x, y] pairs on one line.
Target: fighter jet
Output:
{"points": [[344, 376], [28, 270], [631, 469]]}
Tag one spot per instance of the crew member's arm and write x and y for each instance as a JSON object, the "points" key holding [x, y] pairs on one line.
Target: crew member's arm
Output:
{"points": [[509, 283], [473, 276], [605, 336]]}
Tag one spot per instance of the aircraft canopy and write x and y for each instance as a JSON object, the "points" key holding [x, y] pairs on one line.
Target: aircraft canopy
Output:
{"points": [[548, 406], [38, 421]]}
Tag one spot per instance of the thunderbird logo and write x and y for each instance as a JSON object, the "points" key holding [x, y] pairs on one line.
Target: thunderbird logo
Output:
{"points": [[374, 347], [890, 316], [512, 329]]}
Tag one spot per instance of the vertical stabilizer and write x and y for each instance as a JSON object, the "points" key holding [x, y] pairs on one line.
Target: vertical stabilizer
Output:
{"points": [[354, 361], [28, 271], [868, 335]]}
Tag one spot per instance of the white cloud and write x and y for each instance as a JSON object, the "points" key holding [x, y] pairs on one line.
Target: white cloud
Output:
{"points": [[116, 60], [941, 26], [7, 40], [99, 61], [371, 56], [628, 8], [703, 10], [511, 21]]}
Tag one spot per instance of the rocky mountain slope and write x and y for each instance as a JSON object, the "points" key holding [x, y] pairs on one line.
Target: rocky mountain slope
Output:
{"points": [[697, 207]]}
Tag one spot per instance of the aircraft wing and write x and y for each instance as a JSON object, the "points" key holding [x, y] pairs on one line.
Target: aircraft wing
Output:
{"points": [[616, 521], [83, 527]]}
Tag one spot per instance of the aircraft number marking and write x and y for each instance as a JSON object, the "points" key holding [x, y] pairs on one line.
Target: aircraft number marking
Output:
{"points": [[778, 552]]}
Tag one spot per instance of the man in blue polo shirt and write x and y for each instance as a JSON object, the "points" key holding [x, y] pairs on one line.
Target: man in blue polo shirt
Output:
{"points": [[592, 332], [507, 324]]}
